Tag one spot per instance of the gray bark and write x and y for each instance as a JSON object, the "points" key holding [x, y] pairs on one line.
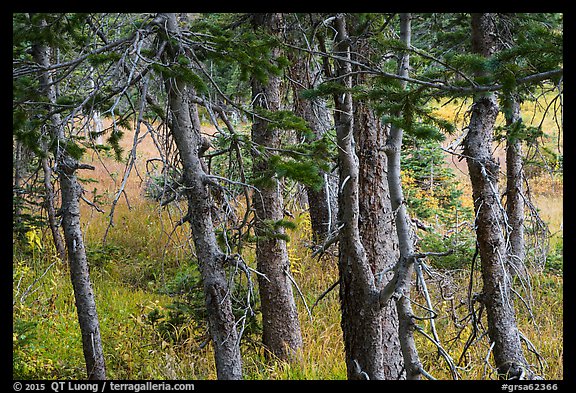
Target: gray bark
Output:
{"points": [[221, 321], [483, 172], [514, 190], [51, 210], [71, 192], [405, 267], [19, 170], [280, 322], [322, 203]]}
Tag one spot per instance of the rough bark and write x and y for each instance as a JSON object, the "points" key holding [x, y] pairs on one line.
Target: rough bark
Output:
{"points": [[18, 176], [376, 229], [70, 210], [211, 259], [361, 316], [280, 322], [483, 172], [79, 273], [51, 210], [322, 203]]}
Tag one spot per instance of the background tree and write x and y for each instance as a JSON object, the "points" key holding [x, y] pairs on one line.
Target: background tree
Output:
{"points": [[403, 227], [67, 162], [306, 73], [483, 171], [280, 322]]}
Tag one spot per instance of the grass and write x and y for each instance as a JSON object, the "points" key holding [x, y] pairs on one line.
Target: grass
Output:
{"points": [[143, 253], [135, 350]]}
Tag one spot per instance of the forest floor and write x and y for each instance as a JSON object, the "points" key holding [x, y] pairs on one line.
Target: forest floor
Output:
{"points": [[152, 330]]}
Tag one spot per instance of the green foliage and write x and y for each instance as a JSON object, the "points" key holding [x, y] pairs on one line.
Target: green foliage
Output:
{"points": [[430, 186], [306, 170], [181, 71], [170, 322], [250, 51], [23, 337], [518, 131], [114, 140], [408, 109], [304, 163], [461, 240], [62, 30], [97, 59], [274, 229], [283, 120], [555, 259], [471, 63], [162, 188], [324, 89]]}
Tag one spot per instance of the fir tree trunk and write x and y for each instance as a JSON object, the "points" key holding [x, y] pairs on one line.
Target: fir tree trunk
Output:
{"points": [[405, 268], [361, 315], [221, 321], [51, 210], [483, 172], [376, 220], [322, 203], [514, 189], [71, 193], [18, 176], [280, 322], [376, 230], [79, 272]]}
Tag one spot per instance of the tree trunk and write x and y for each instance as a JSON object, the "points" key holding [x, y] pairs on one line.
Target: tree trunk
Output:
{"points": [[280, 322], [79, 273], [18, 176], [361, 315], [376, 229], [514, 199], [71, 192], [483, 172], [221, 321], [51, 211], [322, 203], [412, 362]]}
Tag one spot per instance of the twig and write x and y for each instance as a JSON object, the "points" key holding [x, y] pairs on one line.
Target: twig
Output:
{"points": [[27, 291], [299, 292], [441, 351], [326, 292], [331, 239]]}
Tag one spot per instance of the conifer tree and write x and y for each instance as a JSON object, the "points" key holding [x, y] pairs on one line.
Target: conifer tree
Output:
{"points": [[483, 171], [67, 163], [212, 260], [306, 72], [280, 321]]}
